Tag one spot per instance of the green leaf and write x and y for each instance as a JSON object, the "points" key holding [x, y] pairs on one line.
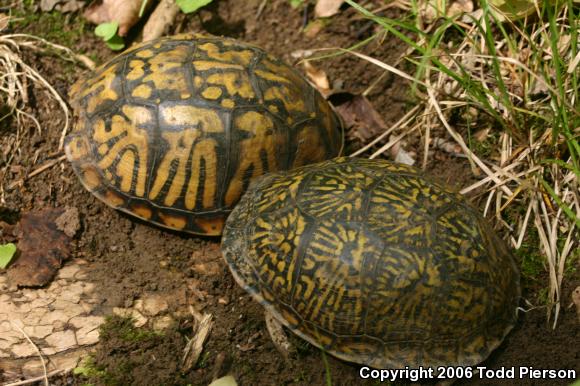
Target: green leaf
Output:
{"points": [[116, 43], [296, 3], [107, 30], [7, 252], [512, 9], [189, 6]]}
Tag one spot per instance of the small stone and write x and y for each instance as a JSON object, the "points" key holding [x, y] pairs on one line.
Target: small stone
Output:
{"points": [[163, 323], [154, 305], [69, 222]]}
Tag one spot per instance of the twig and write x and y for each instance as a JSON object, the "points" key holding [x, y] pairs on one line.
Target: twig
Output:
{"points": [[261, 8], [45, 377], [37, 171], [39, 378]]}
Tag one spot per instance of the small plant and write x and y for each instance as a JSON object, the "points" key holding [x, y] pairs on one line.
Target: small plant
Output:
{"points": [[7, 252], [88, 369], [108, 32], [296, 3], [189, 6]]}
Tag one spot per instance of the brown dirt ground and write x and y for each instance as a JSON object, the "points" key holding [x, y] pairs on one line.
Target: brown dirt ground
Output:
{"points": [[128, 258]]}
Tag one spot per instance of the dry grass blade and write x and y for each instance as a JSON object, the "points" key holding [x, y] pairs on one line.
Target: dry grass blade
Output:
{"points": [[385, 66], [521, 82], [45, 377], [16, 76], [400, 124], [37, 171], [462, 143]]}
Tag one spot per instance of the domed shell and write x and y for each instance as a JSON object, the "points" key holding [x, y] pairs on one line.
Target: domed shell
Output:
{"points": [[173, 130], [375, 263]]}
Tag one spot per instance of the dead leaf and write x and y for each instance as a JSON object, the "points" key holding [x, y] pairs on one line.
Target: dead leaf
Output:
{"points": [[318, 78], [432, 10], [327, 8], [359, 114], [162, 17], [124, 12], [400, 155], [202, 327], [459, 7], [42, 248]]}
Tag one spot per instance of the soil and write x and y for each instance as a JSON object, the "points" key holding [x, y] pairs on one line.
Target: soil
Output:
{"points": [[128, 258]]}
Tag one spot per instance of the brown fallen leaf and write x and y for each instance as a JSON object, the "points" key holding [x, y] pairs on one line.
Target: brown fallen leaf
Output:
{"points": [[327, 8], [42, 249], [162, 17], [459, 7], [359, 114], [318, 78], [432, 10], [124, 12]]}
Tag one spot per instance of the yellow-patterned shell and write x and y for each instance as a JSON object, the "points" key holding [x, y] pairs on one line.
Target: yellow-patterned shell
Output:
{"points": [[375, 263], [172, 131]]}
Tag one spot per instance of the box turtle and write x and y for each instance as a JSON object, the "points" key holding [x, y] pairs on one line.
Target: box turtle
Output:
{"points": [[173, 130], [375, 263]]}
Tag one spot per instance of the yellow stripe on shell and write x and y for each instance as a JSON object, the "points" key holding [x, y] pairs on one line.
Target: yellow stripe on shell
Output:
{"points": [[234, 82], [213, 51], [134, 136], [262, 136]]}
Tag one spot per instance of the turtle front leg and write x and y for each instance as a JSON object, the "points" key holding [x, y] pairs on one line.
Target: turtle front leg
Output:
{"points": [[278, 336]]}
